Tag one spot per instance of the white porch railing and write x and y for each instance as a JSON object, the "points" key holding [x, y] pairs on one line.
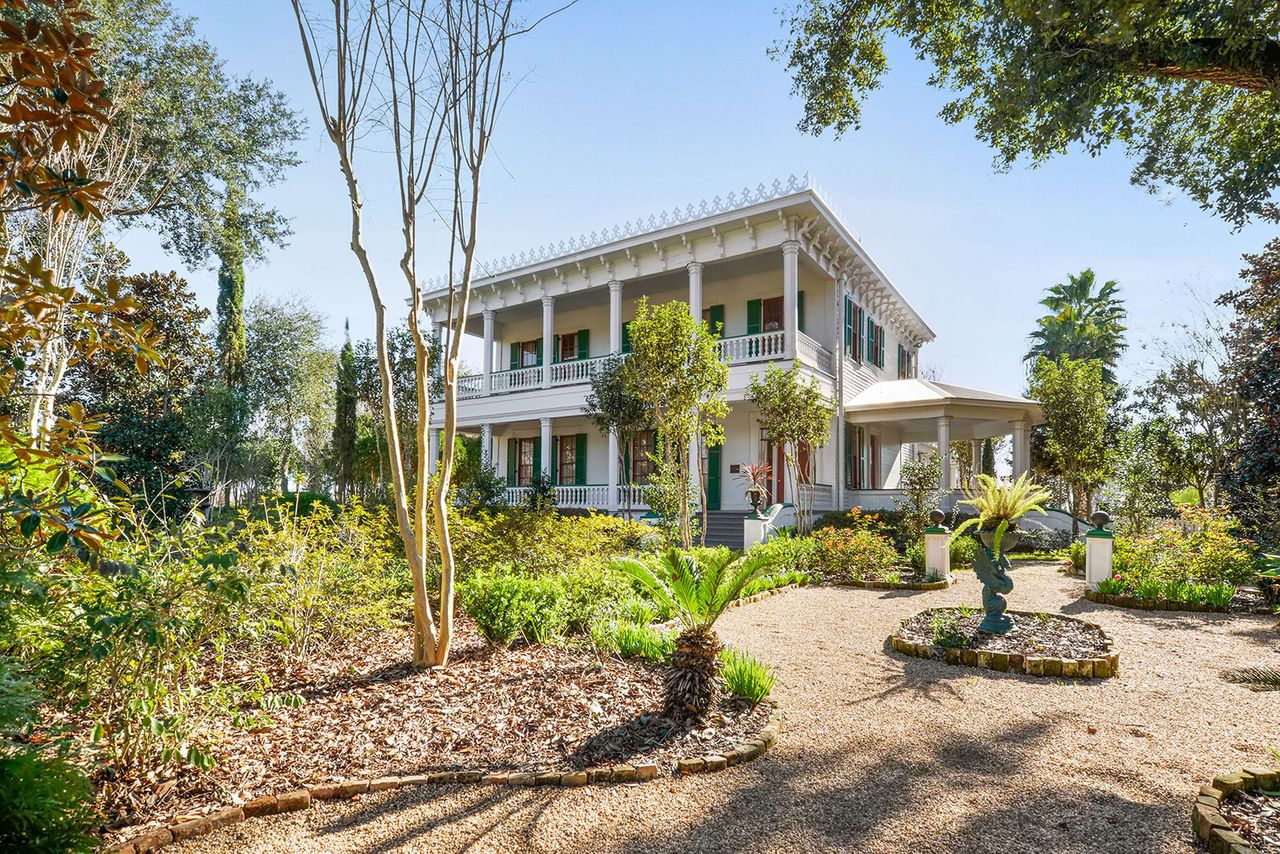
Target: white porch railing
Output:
{"points": [[517, 380], [821, 495], [471, 385], [751, 348], [577, 371], [587, 495], [814, 353]]}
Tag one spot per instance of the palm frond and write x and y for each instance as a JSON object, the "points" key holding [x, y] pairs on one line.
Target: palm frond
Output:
{"points": [[1257, 678]]}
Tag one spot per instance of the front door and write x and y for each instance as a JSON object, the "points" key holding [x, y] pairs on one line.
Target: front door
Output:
{"points": [[713, 478]]}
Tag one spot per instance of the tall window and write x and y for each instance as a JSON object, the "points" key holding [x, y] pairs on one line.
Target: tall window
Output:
{"points": [[642, 445], [567, 459], [771, 314], [524, 466], [569, 347], [529, 354]]}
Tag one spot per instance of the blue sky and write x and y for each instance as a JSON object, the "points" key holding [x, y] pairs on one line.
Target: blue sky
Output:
{"points": [[626, 109]]}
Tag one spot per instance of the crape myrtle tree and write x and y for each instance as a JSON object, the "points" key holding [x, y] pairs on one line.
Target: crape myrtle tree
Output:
{"points": [[675, 370], [613, 409], [1076, 402], [1191, 90], [796, 415], [426, 80]]}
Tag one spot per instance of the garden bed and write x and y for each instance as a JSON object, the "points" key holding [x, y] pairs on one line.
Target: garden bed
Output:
{"points": [[1038, 644], [366, 713], [1240, 813], [907, 581], [1244, 602]]}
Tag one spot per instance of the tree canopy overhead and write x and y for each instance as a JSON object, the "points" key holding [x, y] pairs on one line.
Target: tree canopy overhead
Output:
{"points": [[1191, 90]]}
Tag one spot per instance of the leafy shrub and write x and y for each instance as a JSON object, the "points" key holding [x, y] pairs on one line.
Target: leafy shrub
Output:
{"points": [[44, 799], [744, 676], [1077, 555], [944, 629], [886, 523], [915, 556], [1112, 586], [788, 552], [963, 550], [634, 640], [1148, 588], [1198, 547], [775, 580], [506, 606], [1219, 595], [1042, 540], [534, 543], [855, 554]]}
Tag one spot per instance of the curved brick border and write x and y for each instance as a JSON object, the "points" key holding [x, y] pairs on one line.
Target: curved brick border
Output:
{"points": [[898, 585], [1102, 667], [1150, 604], [765, 594], [752, 748], [1206, 816]]}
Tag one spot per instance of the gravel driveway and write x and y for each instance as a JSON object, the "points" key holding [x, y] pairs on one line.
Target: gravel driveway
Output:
{"points": [[887, 753]]}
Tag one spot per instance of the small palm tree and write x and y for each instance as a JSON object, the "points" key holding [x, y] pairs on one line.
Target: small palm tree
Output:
{"points": [[698, 595], [1083, 323]]}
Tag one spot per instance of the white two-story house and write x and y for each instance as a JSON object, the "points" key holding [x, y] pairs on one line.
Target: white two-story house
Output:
{"points": [[785, 281]]}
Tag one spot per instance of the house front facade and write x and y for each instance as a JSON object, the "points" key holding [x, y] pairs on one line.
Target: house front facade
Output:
{"points": [[782, 279]]}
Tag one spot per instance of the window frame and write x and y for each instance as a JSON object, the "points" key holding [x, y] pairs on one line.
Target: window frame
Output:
{"points": [[765, 304]]}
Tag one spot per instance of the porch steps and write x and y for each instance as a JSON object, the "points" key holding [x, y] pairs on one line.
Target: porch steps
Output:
{"points": [[724, 528]]}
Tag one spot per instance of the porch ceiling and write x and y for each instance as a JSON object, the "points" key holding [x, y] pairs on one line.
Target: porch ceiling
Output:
{"points": [[914, 406]]}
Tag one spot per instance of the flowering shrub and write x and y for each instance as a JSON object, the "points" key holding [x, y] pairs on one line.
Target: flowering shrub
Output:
{"points": [[1199, 548], [859, 555], [536, 542]]}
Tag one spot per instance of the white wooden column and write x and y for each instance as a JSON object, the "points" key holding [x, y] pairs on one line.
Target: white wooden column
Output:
{"points": [[611, 502], [790, 298], [837, 434], [547, 462], [488, 351], [615, 317], [548, 337], [944, 455], [977, 461], [695, 289], [486, 444], [1021, 449], [433, 450]]}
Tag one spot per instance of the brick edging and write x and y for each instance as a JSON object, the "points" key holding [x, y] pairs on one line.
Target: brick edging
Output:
{"points": [[301, 799], [898, 585], [1206, 815], [1101, 667], [765, 594], [1151, 604]]}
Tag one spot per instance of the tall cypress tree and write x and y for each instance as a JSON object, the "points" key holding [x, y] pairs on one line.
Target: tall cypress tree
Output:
{"points": [[989, 457], [344, 421], [231, 337]]}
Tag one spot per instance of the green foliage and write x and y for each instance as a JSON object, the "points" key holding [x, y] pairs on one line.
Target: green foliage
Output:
{"points": [[698, 594], [745, 677], [944, 629], [675, 370], [639, 640], [542, 493], [1075, 398], [1186, 495], [1082, 325], [857, 555], [544, 542], [1076, 554], [344, 421], [612, 408], [232, 346], [1199, 548], [918, 479], [775, 580], [1112, 586], [915, 556], [1036, 80], [787, 552], [793, 411], [963, 550], [1134, 491]]}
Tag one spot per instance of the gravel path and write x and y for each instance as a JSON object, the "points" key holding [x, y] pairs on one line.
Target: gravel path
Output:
{"points": [[887, 753]]}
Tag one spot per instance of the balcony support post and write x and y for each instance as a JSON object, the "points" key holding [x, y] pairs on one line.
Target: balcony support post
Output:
{"points": [[615, 317], [548, 338], [944, 452], [486, 444], [546, 447], [790, 296], [695, 289], [487, 388]]}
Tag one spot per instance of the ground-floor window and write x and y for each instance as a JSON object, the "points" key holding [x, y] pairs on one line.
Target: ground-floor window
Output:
{"points": [[643, 445], [567, 459], [525, 454]]}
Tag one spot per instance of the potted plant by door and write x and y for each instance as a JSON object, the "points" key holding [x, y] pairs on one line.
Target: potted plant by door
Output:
{"points": [[756, 476], [999, 506]]}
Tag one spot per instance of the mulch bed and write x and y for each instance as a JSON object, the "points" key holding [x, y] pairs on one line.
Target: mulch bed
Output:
{"points": [[369, 713], [1041, 635], [1255, 815]]}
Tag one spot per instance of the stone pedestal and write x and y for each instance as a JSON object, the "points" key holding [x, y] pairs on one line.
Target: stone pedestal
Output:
{"points": [[1098, 546], [937, 553], [754, 530]]}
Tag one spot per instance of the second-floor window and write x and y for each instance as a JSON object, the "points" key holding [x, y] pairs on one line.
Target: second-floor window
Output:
{"points": [[569, 347], [875, 342], [529, 354], [771, 314]]}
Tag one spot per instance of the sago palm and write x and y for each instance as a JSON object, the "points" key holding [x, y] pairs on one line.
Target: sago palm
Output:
{"points": [[698, 595], [999, 504]]}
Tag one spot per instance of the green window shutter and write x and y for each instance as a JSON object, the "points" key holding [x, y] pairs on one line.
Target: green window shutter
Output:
{"points": [[753, 316], [555, 460], [626, 463], [716, 315], [871, 339], [515, 355], [848, 326], [580, 460], [539, 352], [584, 348], [513, 451], [626, 337], [537, 456], [800, 311], [857, 332], [555, 349], [880, 346], [848, 456]]}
